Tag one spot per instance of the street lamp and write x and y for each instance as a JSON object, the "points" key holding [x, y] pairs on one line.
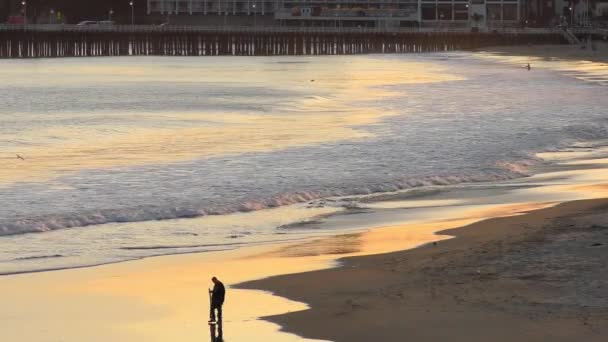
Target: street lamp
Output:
{"points": [[571, 8], [255, 16], [51, 16], [24, 4], [132, 13], [110, 13]]}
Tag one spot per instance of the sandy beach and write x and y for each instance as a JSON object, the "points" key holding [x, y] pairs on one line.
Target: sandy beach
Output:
{"points": [[165, 298], [536, 277]]}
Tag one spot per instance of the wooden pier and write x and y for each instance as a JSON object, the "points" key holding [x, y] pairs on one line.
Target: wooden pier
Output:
{"points": [[40, 41]]}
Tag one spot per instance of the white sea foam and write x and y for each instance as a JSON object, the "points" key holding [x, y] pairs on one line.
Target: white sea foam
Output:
{"points": [[32, 224]]}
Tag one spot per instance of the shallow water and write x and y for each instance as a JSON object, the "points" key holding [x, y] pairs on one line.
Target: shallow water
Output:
{"points": [[134, 148]]}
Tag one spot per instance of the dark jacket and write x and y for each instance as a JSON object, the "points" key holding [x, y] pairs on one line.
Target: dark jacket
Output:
{"points": [[217, 296]]}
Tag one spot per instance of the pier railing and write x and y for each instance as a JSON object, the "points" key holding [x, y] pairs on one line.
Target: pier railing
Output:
{"points": [[258, 29]]}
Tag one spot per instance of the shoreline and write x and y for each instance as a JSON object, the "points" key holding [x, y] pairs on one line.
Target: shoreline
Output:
{"points": [[143, 291], [156, 299], [472, 281], [572, 52]]}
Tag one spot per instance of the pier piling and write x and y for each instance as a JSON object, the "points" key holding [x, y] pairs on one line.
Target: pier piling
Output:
{"points": [[46, 41]]}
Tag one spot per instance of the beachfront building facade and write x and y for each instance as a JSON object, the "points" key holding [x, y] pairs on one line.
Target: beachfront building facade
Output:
{"points": [[350, 13], [223, 7], [373, 13]]}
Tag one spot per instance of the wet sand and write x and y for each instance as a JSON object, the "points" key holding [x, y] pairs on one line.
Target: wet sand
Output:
{"points": [[165, 298], [541, 276]]}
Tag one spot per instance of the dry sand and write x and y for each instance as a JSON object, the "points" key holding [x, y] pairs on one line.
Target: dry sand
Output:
{"points": [[542, 276]]}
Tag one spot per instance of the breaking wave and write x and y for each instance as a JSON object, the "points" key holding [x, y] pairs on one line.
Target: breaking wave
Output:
{"points": [[504, 171], [134, 248], [427, 131], [36, 257]]}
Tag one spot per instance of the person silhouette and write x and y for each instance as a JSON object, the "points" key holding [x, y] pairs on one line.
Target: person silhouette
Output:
{"points": [[216, 296]]}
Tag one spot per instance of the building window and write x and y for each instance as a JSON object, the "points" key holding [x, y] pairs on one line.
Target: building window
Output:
{"points": [[444, 12], [461, 12], [494, 12], [429, 12], [509, 12]]}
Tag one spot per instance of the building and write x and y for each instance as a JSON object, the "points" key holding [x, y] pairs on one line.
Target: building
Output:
{"points": [[214, 12], [210, 7], [482, 14]]}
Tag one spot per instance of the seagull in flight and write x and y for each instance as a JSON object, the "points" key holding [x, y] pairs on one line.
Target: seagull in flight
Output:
{"points": [[20, 157]]}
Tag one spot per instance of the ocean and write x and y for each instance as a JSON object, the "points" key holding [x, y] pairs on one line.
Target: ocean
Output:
{"points": [[113, 159]]}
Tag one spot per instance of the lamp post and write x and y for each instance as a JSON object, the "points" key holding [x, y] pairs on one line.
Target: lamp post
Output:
{"points": [[255, 16], [110, 13], [132, 13], [24, 4], [51, 16], [571, 8]]}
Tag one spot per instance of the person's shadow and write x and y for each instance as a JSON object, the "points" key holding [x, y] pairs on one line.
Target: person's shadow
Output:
{"points": [[216, 332]]}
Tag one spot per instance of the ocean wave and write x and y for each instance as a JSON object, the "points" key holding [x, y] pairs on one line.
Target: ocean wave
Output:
{"points": [[520, 167], [36, 257], [161, 247], [300, 224], [503, 171]]}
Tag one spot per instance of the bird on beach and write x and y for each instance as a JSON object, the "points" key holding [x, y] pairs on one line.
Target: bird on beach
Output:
{"points": [[528, 67], [20, 157]]}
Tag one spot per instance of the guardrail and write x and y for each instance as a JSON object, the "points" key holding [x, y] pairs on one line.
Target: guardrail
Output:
{"points": [[590, 30], [260, 29]]}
